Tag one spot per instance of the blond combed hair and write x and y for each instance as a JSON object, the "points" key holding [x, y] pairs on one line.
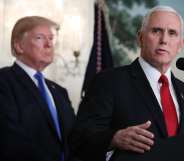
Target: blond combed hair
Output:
{"points": [[26, 24]]}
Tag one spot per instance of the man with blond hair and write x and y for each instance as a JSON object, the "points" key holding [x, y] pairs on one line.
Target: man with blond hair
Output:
{"points": [[36, 116]]}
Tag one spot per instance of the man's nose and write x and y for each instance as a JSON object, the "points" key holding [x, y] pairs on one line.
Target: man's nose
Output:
{"points": [[48, 42], [164, 38]]}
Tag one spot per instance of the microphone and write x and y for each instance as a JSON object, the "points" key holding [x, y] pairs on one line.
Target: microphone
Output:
{"points": [[180, 63]]}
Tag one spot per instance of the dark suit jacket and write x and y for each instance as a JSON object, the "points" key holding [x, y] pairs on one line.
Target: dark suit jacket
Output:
{"points": [[117, 99], [27, 131]]}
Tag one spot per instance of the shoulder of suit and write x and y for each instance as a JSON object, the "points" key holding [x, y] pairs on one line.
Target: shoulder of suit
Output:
{"points": [[111, 77], [6, 72], [114, 71], [180, 82]]}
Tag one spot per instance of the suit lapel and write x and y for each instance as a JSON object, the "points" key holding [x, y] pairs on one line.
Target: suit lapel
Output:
{"points": [[147, 95], [59, 103], [180, 98], [32, 88]]}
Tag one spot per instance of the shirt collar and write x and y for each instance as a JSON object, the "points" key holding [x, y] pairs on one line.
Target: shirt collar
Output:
{"points": [[30, 71], [151, 72]]}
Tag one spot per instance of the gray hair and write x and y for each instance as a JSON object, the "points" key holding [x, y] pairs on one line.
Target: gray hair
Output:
{"points": [[26, 24], [161, 8]]}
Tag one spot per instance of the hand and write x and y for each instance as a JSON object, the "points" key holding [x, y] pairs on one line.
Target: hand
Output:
{"points": [[135, 138]]}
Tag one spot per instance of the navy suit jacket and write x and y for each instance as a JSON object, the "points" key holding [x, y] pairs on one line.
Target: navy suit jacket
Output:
{"points": [[27, 132], [117, 99]]}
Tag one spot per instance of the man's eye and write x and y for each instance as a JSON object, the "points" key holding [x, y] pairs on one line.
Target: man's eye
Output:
{"points": [[156, 30], [172, 33], [39, 37]]}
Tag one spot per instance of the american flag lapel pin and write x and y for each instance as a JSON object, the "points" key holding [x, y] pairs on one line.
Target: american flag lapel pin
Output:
{"points": [[182, 96]]}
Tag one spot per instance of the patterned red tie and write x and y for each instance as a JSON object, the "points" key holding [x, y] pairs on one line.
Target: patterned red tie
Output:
{"points": [[168, 107]]}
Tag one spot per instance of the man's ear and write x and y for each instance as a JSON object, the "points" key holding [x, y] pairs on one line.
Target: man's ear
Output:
{"points": [[181, 46], [18, 46], [139, 38]]}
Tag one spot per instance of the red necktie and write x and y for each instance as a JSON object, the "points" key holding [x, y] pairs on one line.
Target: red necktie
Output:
{"points": [[168, 107]]}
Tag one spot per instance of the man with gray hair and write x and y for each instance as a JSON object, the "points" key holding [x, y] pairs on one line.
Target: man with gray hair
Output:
{"points": [[130, 108], [36, 116]]}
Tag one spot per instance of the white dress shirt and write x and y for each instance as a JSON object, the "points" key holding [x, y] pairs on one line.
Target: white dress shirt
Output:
{"points": [[31, 72], [153, 76]]}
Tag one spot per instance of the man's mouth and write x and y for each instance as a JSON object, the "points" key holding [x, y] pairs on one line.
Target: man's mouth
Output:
{"points": [[161, 51]]}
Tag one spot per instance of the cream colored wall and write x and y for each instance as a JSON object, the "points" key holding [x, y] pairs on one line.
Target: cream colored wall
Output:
{"points": [[72, 81], [62, 12]]}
